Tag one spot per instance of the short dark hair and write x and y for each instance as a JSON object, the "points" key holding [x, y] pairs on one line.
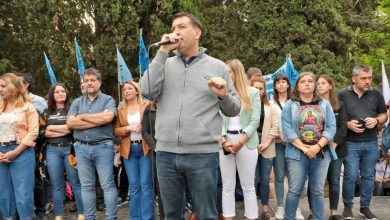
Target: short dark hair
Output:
{"points": [[93, 71], [193, 19], [253, 70], [361, 67], [27, 78]]}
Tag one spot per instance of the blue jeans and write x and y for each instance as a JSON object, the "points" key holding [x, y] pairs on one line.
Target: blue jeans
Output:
{"points": [[297, 172], [362, 157], [17, 184], [280, 172], [333, 178], [99, 157], [57, 162], [200, 171], [139, 173], [265, 166]]}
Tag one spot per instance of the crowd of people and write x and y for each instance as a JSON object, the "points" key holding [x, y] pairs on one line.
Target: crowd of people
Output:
{"points": [[210, 124]]}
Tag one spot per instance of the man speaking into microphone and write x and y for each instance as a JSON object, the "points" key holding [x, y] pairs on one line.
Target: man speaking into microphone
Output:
{"points": [[191, 88]]}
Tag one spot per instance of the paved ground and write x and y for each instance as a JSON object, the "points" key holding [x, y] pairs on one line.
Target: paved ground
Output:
{"points": [[379, 206]]}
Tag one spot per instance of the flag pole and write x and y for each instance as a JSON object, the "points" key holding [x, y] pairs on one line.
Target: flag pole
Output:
{"points": [[140, 68], [119, 86]]}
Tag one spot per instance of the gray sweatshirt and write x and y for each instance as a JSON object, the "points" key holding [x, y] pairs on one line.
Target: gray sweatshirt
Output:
{"points": [[188, 119]]}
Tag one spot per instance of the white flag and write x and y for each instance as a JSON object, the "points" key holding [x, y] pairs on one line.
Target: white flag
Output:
{"points": [[385, 84]]}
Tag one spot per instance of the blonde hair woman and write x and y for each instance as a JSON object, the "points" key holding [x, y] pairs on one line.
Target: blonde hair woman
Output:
{"points": [[239, 142], [135, 151], [18, 131]]}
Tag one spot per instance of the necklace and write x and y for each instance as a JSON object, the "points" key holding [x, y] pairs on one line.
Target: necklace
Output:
{"points": [[59, 111]]}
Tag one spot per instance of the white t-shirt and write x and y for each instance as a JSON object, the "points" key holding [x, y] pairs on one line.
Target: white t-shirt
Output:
{"points": [[380, 168], [234, 123], [7, 128], [134, 119]]}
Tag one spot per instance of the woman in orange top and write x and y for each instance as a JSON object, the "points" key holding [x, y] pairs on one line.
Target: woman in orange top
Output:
{"points": [[18, 131], [135, 151]]}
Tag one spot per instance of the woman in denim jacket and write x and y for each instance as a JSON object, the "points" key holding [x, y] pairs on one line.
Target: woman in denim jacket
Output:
{"points": [[308, 124]]}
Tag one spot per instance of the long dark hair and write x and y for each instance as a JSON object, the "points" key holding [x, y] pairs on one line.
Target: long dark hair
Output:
{"points": [[51, 103], [295, 93], [334, 101], [277, 78]]}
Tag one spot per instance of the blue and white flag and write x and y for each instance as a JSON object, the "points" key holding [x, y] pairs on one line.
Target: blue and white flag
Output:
{"points": [[124, 73], [143, 57], [50, 71], [80, 63]]}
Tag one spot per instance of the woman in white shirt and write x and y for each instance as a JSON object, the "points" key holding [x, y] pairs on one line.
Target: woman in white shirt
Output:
{"points": [[239, 142], [135, 151]]}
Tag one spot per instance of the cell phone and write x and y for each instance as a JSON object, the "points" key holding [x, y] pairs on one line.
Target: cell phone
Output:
{"points": [[362, 123]]}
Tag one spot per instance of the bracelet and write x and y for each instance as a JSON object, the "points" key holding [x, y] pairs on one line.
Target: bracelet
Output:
{"points": [[319, 146], [223, 143]]}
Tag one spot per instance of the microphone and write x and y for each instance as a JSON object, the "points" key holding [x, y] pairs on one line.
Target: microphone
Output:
{"points": [[163, 42]]}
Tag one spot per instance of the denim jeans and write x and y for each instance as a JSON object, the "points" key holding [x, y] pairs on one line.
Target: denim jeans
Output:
{"points": [[265, 166], [280, 172], [333, 178], [362, 157], [139, 173], [200, 170], [17, 184], [99, 157], [57, 162], [297, 173]]}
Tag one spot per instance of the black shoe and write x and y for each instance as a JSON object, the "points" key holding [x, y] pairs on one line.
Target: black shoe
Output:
{"points": [[101, 207], [335, 217], [366, 213], [73, 208], [347, 213]]}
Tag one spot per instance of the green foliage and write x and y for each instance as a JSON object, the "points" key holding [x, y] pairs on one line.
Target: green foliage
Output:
{"points": [[6, 66], [325, 36]]}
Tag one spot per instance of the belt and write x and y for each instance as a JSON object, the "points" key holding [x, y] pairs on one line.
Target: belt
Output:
{"points": [[4, 144], [65, 144], [91, 142], [136, 142], [234, 131]]}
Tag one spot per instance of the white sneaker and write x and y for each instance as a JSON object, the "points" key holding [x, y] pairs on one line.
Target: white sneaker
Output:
{"points": [[279, 212], [298, 215]]}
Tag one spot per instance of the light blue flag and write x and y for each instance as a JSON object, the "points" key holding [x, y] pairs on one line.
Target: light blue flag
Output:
{"points": [[143, 57], [288, 69], [123, 71], [80, 63], [50, 70]]}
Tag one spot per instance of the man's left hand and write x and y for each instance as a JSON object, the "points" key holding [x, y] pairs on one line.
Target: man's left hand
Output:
{"points": [[371, 122], [218, 86]]}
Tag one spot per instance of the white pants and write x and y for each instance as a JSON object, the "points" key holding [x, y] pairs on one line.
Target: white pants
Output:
{"points": [[244, 161]]}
